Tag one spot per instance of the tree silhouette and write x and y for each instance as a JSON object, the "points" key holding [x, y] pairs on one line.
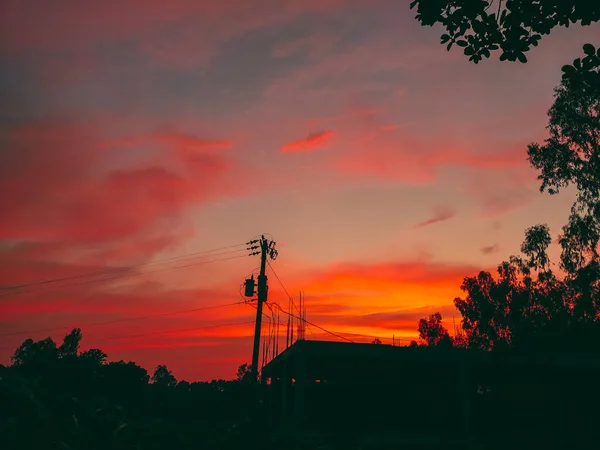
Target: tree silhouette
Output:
{"points": [[126, 374], [163, 377], [376, 341], [40, 353], [526, 306], [93, 356], [433, 333], [70, 345], [512, 26], [244, 373], [81, 401], [571, 156]]}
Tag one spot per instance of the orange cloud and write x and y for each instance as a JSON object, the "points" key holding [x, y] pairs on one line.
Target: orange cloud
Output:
{"points": [[312, 142], [376, 299], [402, 322]]}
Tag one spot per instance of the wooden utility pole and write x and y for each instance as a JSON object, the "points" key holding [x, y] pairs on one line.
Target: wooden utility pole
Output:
{"points": [[267, 249]]}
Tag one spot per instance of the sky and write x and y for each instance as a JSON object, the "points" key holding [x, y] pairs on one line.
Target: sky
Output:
{"points": [[160, 137]]}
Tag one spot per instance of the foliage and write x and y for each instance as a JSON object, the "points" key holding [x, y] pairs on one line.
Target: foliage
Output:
{"points": [[433, 333], [376, 341], [571, 156], [77, 400], [35, 354], [70, 345], [512, 26], [526, 307], [163, 377], [93, 356], [244, 373]]}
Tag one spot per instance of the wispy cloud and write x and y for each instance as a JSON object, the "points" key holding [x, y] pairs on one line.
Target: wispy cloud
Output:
{"points": [[490, 249], [312, 142], [441, 214]]}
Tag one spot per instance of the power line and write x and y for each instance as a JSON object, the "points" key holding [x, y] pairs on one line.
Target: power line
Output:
{"points": [[327, 331], [278, 279], [126, 268], [128, 319], [378, 337], [122, 276], [319, 327], [289, 296], [178, 331]]}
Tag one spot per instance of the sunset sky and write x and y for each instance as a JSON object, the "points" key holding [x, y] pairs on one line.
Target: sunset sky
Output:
{"points": [[386, 168]]}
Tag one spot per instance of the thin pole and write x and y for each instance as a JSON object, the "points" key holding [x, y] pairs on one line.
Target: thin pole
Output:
{"points": [[262, 297]]}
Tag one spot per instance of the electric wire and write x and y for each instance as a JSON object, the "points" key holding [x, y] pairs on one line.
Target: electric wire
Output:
{"points": [[378, 337], [289, 296], [122, 276], [339, 336], [181, 330], [179, 258], [128, 319]]}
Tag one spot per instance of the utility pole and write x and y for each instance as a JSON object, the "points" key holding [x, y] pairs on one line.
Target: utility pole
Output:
{"points": [[267, 249]]}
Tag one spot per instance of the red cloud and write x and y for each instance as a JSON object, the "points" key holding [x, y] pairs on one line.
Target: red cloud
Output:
{"points": [[313, 142], [417, 160], [61, 192], [440, 215]]}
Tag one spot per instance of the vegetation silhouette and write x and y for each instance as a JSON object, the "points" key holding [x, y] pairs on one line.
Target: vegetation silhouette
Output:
{"points": [[529, 305], [57, 397], [512, 26], [535, 306]]}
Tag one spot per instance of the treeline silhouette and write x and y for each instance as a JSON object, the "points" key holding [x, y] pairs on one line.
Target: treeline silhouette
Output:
{"points": [[538, 320], [535, 303], [53, 396], [525, 307]]}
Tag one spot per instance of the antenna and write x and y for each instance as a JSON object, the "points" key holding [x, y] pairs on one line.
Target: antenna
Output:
{"points": [[304, 315], [292, 327], [287, 337]]}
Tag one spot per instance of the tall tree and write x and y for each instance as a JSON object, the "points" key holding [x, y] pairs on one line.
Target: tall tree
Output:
{"points": [[511, 26], [571, 156], [528, 307], [163, 377], [70, 345], [433, 333]]}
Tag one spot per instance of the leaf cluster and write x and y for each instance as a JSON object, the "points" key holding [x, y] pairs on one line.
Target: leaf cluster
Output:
{"points": [[480, 27]]}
